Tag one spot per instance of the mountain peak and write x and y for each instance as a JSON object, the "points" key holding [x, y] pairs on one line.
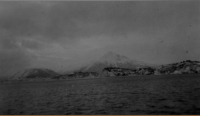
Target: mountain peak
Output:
{"points": [[111, 56], [111, 59]]}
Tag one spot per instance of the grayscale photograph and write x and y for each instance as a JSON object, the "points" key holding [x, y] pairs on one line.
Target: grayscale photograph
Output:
{"points": [[100, 57]]}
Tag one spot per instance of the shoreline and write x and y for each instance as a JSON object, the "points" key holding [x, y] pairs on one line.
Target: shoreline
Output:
{"points": [[87, 78]]}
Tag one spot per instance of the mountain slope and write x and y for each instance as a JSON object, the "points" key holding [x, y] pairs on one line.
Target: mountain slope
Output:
{"points": [[34, 73], [111, 59]]}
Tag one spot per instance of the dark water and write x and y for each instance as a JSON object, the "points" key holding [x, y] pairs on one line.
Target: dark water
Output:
{"points": [[169, 94]]}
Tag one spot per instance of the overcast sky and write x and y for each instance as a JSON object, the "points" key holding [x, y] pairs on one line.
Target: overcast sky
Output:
{"points": [[64, 35]]}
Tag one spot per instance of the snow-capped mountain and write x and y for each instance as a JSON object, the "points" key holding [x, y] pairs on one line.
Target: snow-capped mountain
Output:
{"points": [[34, 73], [112, 59]]}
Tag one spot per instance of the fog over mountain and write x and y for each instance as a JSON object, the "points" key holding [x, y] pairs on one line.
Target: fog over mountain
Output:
{"points": [[65, 35]]}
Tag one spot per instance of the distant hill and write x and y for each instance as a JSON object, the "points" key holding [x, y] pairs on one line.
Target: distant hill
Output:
{"points": [[111, 64], [34, 73], [116, 71], [184, 67], [112, 59]]}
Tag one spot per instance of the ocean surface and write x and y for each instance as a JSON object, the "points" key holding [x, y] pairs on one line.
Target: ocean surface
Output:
{"points": [[166, 94]]}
